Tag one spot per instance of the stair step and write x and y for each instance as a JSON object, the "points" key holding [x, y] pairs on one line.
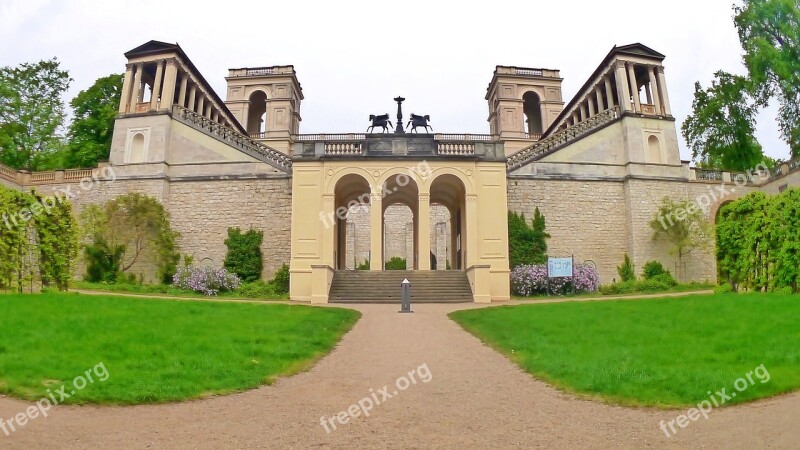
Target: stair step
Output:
{"points": [[384, 287]]}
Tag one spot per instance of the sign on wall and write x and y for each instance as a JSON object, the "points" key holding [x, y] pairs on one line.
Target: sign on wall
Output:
{"points": [[559, 267]]}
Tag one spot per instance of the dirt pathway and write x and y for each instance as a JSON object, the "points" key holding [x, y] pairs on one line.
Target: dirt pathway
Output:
{"points": [[475, 398]]}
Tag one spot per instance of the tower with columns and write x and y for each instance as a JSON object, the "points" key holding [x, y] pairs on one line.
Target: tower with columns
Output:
{"points": [[160, 81], [523, 102], [266, 101]]}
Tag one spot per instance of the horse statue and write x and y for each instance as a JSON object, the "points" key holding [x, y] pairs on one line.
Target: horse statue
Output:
{"points": [[419, 121], [379, 121]]}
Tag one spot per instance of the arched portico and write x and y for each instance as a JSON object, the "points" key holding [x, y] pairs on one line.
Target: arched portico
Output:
{"points": [[326, 189]]}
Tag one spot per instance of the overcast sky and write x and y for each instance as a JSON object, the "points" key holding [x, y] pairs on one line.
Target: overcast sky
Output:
{"points": [[352, 57]]}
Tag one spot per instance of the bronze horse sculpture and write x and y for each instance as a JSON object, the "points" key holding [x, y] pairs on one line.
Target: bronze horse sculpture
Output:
{"points": [[419, 121], [379, 121]]}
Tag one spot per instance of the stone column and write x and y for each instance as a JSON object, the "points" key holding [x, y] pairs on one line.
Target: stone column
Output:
{"points": [[590, 103], [662, 88], [192, 95], [137, 94], [424, 231], [126, 89], [609, 92], [157, 85], [599, 94], [200, 104], [654, 89], [329, 247], [623, 91], [376, 231], [634, 88], [582, 107], [209, 107], [471, 215], [170, 80], [182, 92]]}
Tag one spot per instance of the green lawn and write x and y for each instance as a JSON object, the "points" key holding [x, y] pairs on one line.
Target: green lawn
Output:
{"points": [[254, 291], [156, 350], [664, 352]]}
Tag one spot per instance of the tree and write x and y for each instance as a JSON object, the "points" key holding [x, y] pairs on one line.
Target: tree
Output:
{"points": [[31, 112], [769, 31], [527, 244], [244, 254], [140, 225], [683, 225], [93, 125], [720, 129]]}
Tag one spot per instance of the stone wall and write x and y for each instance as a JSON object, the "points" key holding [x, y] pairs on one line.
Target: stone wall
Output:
{"points": [[586, 219], [202, 211]]}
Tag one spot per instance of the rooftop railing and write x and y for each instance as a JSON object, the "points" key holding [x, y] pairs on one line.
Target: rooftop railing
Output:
{"points": [[233, 138], [561, 138]]}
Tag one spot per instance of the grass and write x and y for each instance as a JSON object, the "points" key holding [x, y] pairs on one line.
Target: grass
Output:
{"points": [[258, 290], [664, 352], [157, 351]]}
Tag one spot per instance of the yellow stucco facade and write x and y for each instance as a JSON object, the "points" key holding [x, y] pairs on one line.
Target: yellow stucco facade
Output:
{"points": [[323, 189]]}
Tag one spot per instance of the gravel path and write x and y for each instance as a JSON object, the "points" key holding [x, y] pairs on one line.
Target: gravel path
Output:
{"points": [[475, 398]]}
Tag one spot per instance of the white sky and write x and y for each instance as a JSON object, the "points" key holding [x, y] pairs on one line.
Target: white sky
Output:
{"points": [[353, 57]]}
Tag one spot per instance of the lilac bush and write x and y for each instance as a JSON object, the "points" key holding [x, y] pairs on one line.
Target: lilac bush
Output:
{"points": [[531, 280], [206, 280]]}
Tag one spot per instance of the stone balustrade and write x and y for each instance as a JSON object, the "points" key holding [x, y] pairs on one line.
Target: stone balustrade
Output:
{"points": [[554, 141], [233, 138]]}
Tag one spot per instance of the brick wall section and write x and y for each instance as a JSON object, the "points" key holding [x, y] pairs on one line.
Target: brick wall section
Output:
{"points": [[98, 192], [584, 218], [202, 211], [399, 234], [602, 220]]}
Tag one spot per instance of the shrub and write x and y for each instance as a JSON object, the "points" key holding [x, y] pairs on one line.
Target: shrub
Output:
{"points": [[363, 266], [723, 289], [527, 244], [625, 271], [786, 290], [280, 281], [102, 262], [206, 280], [665, 278], [652, 269], [257, 289], [396, 263], [635, 287], [532, 280], [244, 254]]}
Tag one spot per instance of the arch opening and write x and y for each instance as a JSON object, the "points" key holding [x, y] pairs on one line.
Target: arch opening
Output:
{"points": [[257, 113], [532, 108]]}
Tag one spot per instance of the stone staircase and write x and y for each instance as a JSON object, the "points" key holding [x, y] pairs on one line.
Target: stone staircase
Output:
{"points": [[364, 286]]}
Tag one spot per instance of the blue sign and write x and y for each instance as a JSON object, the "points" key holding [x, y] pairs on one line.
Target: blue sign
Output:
{"points": [[559, 267]]}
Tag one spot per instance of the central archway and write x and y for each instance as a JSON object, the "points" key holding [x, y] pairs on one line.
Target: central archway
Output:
{"points": [[401, 189]]}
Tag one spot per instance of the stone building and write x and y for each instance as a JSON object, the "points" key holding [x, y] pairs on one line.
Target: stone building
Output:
{"points": [[596, 166]]}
